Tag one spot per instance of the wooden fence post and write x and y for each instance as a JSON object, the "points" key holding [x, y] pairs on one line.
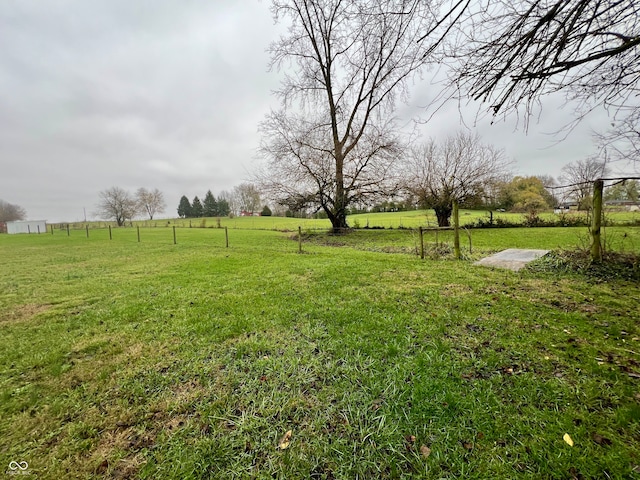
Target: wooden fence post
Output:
{"points": [[299, 239], [68, 230], [226, 236], [421, 242], [470, 245], [138, 227], [174, 235], [596, 222], [110, 237], [86, 227], [456, 230]]}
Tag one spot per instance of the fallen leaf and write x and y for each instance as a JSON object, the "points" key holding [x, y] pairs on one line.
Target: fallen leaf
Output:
{"points": [[425, 451], [467, 445], [568, 439], [285, 440], [410, 438]]}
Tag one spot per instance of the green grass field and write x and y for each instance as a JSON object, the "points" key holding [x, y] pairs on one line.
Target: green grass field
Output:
{"points": [[153, 360], [407, 219]]}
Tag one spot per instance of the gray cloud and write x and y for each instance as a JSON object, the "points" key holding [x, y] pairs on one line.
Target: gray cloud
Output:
{"points": [[163, 94]]}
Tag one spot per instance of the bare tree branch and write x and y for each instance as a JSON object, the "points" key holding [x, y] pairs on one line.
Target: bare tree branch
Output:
{"points": [[461, 168], [117, 204], [511, 53], [150, 201], [580, 176]]}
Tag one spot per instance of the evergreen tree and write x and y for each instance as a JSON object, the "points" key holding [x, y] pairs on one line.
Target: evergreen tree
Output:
{"points": [[223, 207], [266, 211], [184, 208], [210, 206], [196, 207]]}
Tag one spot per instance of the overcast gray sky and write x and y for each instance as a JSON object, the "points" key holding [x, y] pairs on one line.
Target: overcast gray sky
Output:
{"points": [[165, 94]]}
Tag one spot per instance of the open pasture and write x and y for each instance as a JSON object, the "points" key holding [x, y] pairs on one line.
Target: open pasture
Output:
{"points": [[153, 360], [405, 219]]}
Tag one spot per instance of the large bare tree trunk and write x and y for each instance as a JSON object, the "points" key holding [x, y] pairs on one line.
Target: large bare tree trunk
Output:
{"points": [[443, 214], [339, 218]]}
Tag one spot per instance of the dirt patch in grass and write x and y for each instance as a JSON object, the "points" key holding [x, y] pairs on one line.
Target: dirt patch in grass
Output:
{"points": [[187, 391], [456, 290], [107, 459], [176, 422], [23, 313], [179, 399]]}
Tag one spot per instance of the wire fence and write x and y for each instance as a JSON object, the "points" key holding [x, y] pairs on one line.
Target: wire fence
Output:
{"points": [[423, 242], [405, 240]]}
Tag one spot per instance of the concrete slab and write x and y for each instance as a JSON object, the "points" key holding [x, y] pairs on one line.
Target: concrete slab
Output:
{"points": [[512, 258]]}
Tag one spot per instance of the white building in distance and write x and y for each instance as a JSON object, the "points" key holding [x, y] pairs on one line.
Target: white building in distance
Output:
{"points": [[27, 226]]}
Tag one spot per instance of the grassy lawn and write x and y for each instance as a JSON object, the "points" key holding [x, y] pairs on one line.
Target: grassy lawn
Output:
{"points": [[408, 219], [152, 360]]}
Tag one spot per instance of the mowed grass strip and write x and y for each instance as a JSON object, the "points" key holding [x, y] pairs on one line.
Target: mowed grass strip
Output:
{"points": [[153, 360]]}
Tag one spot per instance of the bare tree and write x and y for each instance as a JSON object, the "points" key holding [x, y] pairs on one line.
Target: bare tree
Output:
{"points": [[622, 141], [510, 53], [625, 191], [117, 204], [461, 169], [150, 201], [10, 212], [232, 201], [579, 176], [352, 58], [549, 183], [247, 196]]}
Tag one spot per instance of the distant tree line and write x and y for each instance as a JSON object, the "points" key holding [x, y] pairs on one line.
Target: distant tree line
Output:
{"points": [[243, 199], [120, 205], [462, 168], [209, 207]]}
